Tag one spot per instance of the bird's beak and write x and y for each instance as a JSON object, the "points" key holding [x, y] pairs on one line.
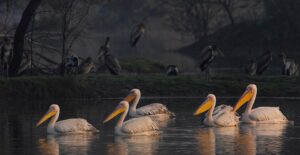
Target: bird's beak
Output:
{"points": [[248, 94], [206, 105], [129, 98], [49, 114], [115, 113]]}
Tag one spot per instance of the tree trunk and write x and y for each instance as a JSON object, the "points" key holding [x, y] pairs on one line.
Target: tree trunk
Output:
{"points": [[19, 36], [227, 10]]}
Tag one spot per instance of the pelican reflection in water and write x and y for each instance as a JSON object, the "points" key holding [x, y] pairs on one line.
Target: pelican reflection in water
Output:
{"points": [[246, 140], [146, 145], [66, 144]]}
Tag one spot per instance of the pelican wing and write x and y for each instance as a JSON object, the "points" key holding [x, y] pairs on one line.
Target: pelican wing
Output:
{"points": [[139, 125], [223, 116], [74, 126], [267, 114], [153, 109]]}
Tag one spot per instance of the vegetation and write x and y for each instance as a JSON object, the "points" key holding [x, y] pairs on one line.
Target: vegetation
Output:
{"points": [[142, 65], [150, 85]]}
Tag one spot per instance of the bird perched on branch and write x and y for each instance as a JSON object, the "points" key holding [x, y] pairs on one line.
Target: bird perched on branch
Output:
{"points": [[208, 55], [111, 63], [137, 33]]}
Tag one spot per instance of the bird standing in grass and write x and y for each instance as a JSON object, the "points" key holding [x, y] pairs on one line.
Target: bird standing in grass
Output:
{"points": [[137, 34], [207, 56]]}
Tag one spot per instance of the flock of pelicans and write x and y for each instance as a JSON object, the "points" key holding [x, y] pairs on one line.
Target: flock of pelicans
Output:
{"points": [[144, 120]]}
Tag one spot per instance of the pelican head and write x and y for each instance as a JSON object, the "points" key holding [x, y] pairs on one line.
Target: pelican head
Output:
{"points": [[123, 105], [132, 95], [53, 110], [206, 105], [248, 95]]}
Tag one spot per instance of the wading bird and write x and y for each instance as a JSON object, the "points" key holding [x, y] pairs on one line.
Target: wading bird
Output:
{"points": [[222, 116], [251, 68], [68, 126], [156, 111], [137, 33], [260, 114], [25, 63], [6, 55], [208, 55], [72, 63], [290, 66], [86, 66], [172, 70], [264, 63], [135, 126], [111, 63]]}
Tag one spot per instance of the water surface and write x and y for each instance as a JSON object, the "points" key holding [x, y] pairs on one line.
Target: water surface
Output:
{"points": [[184, 135]]}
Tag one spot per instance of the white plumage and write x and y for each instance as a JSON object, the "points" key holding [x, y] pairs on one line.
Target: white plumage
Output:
{"points": [[75, 125], [221, 116], [68, 126], [267, 115], [260, 114], [134, 126], [140, 125], [157, 111]]}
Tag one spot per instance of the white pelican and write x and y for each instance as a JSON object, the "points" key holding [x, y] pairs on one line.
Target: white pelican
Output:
{"points": [[135, 126], [157, 111], [260, 114], [68, 126], [222, 116]]}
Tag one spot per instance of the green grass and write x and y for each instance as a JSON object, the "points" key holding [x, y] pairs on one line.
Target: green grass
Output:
{"points": [[150, 85]]}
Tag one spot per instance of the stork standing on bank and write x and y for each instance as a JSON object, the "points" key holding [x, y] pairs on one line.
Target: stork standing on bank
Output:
{"points": [[137, 33], [290, 66], [111, 63], [6, 55], [208, 55], [264, 62]]}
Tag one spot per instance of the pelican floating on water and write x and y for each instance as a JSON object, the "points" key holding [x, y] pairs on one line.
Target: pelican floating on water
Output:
{"points": [[135, 126], [222, 116], [156, 111], [260, 114], [68, 126]]}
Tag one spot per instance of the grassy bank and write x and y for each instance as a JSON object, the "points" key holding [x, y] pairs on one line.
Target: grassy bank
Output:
{"points": [[150, 85]]}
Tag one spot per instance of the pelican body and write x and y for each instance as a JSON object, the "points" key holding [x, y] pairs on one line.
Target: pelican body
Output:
{"points": [[157, 111], [260, 114], [135, 126], [222, 116], [68, 126]]}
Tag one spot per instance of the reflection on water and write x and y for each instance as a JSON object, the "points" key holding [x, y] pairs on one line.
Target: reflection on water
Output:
{"points": [[66, 144], [146, 145], [184, 135]]}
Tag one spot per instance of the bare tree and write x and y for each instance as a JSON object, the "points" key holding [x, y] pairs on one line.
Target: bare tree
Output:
{"points": [[192, 16]]}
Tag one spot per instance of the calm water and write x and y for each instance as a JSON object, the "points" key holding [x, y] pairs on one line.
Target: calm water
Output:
{"points": [[184, 135]]}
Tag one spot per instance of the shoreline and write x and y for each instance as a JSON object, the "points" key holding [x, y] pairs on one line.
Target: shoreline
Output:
{"points": [[108, 86]]}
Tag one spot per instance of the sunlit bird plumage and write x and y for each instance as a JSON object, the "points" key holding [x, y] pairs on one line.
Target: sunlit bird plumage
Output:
{"points": [[68, 126], [157, 111], [260, 114], [221, 116], [135, 126]]}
